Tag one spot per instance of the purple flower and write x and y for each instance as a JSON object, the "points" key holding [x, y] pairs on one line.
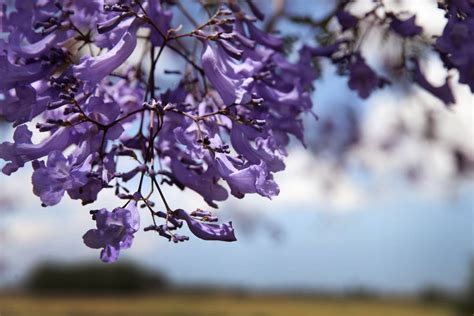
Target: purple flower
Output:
{"points": [[29, 12], [189, 163], [456, 47], [464, 6], [406, 28], [97, 180], [362, 78], [222, 73], [346, 19], [17, 74], [246, 179], [111, 38], [255, 10], [442, 92], [105, 113], [23, 150], [36, 49], [302, 69], [161, 18], [203, 181], [242, 137], [21, 105], [254, 33], [465, 65], [263, 38], [288, 98], [206, 231], [115, 231], [92, 70], [112, 23], [51, 180], [89, 191]]}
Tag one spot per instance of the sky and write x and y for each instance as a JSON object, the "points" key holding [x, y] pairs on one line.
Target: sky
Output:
{"points": [[379, 232]]}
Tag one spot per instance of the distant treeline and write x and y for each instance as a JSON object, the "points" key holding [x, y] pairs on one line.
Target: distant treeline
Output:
{"points": [[93, 278], [130, 278]]}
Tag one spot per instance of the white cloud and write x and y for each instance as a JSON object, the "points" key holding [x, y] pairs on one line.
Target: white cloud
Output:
{"points": [[30, 232]]}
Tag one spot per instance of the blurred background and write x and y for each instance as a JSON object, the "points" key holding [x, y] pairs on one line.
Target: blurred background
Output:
{"points": [[374, 217]]}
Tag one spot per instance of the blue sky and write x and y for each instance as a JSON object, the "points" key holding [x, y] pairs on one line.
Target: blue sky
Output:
{"points": [[391, 247]]}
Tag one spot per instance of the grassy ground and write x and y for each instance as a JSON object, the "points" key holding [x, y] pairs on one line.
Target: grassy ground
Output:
{"points": [[174, 305]]}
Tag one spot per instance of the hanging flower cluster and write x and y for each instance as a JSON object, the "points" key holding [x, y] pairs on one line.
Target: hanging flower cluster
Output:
{"points": [[226, 122], [455, 46]]}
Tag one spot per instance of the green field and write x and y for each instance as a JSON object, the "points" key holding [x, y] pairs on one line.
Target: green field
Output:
{"points": [[174, 305]]}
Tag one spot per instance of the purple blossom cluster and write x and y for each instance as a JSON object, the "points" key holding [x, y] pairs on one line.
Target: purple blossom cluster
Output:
{"points": [[456, 44], [69, 77], [228, 121]]}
